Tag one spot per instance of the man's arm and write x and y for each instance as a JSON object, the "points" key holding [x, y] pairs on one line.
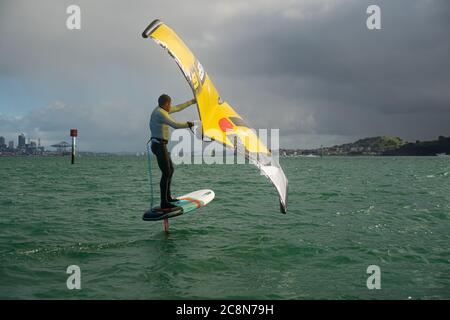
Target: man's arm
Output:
{"points": [[182, 106], [167, 119]]}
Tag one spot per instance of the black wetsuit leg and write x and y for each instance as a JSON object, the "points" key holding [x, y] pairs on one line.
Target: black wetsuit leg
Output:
{"points": [[171, 171], [166, 166]]}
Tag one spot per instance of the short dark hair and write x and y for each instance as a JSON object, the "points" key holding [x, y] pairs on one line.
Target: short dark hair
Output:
{"points": [[163, 99]]}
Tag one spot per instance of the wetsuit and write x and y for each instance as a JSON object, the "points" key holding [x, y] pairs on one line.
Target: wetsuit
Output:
{"points": [[160, 120]]}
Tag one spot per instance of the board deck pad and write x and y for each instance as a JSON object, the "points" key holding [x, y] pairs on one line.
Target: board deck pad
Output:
{"points": [[186, 203]]}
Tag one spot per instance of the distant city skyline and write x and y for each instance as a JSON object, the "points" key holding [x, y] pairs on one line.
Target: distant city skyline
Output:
{"points": [[22, 147], [21, 139]]}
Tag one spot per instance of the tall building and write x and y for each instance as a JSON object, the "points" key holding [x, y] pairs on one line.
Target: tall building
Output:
{"points": [[21, 142], [11, 145], [2, 142]]}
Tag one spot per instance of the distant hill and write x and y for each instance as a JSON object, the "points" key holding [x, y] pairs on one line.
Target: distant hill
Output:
{"points": [[373, 145], [366, 146], [379, 146], [426, 148]]}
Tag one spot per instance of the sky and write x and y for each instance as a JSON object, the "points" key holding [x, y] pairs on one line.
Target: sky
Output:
{"points": [[308, 67]]}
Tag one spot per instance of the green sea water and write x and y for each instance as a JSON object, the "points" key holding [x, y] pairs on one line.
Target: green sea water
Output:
{"points": [[345, 213]]}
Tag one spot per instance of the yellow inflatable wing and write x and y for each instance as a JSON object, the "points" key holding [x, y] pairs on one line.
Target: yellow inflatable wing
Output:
{"points": [[220, 122]]}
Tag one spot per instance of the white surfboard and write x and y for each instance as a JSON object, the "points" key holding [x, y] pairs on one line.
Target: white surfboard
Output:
{"points": [[186, 203]]}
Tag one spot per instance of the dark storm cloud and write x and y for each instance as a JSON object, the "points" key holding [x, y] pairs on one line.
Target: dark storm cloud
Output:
{"points": [[353, 79], [310, 68]]}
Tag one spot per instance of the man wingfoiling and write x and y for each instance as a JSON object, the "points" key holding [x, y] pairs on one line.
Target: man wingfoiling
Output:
{"points": [[160, 121]]}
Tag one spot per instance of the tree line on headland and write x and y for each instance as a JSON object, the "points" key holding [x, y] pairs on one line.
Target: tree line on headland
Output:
{"points": [[378, 146]]}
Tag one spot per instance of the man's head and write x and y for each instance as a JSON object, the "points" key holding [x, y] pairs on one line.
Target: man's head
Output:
{"points": [[164, 101]]}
